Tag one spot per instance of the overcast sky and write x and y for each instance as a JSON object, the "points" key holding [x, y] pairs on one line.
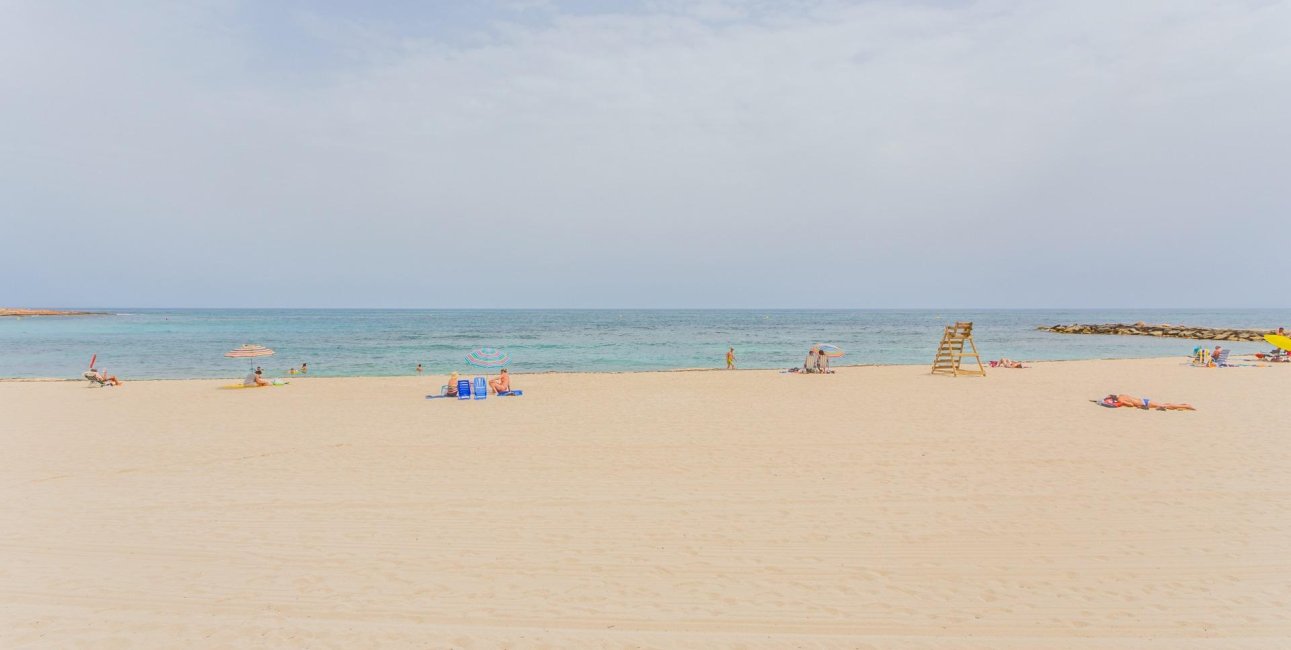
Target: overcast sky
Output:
{"points": [[658, 154]]}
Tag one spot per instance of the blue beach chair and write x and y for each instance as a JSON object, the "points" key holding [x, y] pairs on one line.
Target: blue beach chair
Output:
{"points": [[463, 389], [481, 388]]}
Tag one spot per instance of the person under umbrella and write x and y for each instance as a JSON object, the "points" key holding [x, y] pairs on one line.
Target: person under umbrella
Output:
{"points": [[250, 351], [825, 352], [492, 358]]}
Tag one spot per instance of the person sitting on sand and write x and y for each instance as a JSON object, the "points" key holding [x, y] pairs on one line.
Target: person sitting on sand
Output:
{"points": [[255, 379], [822, 364], [502, 384], [1006, 362], [1117, 401], [104, 378], [813, 360], [451, 389]]}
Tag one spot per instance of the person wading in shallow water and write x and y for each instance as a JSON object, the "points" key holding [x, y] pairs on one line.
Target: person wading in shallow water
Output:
{"points": [[730, 359]]}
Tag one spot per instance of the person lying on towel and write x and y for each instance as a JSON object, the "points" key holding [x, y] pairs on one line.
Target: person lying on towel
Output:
{"points": [[1117, 401]]}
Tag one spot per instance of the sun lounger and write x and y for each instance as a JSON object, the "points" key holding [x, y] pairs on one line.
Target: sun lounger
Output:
{"points": [[481, 388], [1221, 359], [95, 381]]}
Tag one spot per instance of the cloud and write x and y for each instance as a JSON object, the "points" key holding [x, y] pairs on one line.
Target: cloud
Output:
{"points": [[720, 154]]}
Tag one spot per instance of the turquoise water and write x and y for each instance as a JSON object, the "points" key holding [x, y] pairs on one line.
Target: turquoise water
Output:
{"points": [[184, 343]]}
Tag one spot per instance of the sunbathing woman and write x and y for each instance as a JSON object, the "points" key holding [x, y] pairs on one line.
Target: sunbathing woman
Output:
{"points": [[502, 384], [1006, 362], [1117, 401]]}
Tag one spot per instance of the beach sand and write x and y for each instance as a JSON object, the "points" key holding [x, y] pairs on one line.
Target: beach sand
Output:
{"points": [[877, 508]]}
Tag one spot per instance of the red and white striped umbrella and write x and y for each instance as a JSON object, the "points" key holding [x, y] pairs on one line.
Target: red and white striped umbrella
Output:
{"points": [[249, 351]]}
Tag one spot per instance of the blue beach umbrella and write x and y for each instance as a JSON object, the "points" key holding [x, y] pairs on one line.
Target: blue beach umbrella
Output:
{"points": [[488, 358]]}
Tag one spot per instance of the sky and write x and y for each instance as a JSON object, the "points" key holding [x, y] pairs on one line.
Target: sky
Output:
{"points": [[647, 154]]}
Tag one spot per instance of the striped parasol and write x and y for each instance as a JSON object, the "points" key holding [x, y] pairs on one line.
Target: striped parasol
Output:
{"points": [[831, 351], [249, 351], [488, 358]]}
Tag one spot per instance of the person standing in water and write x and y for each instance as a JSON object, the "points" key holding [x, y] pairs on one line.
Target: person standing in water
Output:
{"points": [[304, 368], [730, 359], [419, 368]]}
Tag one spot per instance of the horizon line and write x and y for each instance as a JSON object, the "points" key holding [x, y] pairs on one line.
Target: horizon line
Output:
{"points": [[619, 308]]}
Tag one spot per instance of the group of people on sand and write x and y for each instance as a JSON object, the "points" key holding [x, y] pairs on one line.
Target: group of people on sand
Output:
{"points": [[817, 363], [256, 377], [498, 386]]}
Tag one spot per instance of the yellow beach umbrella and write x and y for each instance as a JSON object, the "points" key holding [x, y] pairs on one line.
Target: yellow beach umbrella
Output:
{"points": [[1280, 342]]}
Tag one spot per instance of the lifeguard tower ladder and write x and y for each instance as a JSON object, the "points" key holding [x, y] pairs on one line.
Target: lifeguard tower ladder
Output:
{"points": [[950, 354]]}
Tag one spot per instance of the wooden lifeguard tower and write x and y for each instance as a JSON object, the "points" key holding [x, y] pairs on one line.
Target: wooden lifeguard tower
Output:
{"points": [[950, 354]]}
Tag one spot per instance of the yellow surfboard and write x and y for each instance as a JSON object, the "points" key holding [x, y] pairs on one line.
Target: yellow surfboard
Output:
{"points": [[1281, 342]]}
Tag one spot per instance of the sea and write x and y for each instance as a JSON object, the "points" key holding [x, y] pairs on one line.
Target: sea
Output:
{"points": [[190, 343]]}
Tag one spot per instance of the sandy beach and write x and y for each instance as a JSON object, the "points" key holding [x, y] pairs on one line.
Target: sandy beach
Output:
{"points": [[880, 507]]}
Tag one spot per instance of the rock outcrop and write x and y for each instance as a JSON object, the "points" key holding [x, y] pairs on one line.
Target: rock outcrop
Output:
{"points": [[14, 311], [1163, 330]]}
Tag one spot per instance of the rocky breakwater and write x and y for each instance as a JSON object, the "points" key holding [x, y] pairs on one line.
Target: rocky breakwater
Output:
{"points": [[19, 313], [1163, 330]]}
